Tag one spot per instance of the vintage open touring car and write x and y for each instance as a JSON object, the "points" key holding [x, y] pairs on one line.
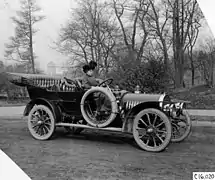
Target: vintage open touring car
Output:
{"points": [[153, 119]]}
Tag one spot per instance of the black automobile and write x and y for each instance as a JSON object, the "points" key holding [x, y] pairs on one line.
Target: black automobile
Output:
{"points": [[153, 119]]}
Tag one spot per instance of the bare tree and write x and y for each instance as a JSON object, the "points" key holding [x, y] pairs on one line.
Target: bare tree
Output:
{"points": [[20, 47], [192, 38], [206, 59], [183, 17], [135, 33], [159, 24], [89, 35]]}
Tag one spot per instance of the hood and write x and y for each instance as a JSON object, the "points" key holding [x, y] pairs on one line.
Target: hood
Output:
{"points": [[145, 97]]}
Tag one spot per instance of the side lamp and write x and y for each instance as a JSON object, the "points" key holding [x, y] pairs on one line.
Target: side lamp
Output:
{"points": [[137, 89]]}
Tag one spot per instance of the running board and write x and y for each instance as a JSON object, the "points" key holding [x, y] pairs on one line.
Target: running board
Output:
{"points": [[89, 127]]}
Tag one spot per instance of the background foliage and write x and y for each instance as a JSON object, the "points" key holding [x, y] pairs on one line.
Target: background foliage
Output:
{"points": [[152, 43]]}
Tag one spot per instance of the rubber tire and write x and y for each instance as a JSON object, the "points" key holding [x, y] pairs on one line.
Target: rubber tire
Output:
{"points": [[113, 102], [52, 129], [168, 126], [188, 131]]}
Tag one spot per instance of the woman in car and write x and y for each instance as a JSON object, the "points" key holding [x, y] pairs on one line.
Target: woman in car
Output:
{"points": [[89, 80]]}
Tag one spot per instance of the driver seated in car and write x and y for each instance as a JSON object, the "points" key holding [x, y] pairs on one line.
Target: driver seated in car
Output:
{"points": [[89, 80]]}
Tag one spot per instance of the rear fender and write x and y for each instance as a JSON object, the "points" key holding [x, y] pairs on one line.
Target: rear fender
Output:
{"points": [[128, 122], [40, 101]]}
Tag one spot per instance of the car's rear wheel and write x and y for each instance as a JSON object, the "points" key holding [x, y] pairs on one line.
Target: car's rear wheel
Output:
{"points": [[152, 130], [181, 127], [41, 122]]}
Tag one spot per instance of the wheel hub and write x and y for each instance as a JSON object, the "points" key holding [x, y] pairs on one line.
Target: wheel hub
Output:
{"points": [[150, 130], [40, 122]]}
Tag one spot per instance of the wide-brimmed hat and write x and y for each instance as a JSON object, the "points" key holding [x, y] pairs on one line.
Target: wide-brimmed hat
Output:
{"points": [[92, 65], [86, 68]]}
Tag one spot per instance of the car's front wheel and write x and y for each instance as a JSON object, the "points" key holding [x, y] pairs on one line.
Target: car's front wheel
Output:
{"points": [[41, 122], [152, 130]]}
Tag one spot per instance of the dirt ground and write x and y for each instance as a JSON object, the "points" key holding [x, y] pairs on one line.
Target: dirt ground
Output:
{"points": [[102, 155]]}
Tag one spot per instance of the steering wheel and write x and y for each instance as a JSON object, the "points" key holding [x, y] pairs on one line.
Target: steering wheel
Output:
{"points": [[106, 82]]}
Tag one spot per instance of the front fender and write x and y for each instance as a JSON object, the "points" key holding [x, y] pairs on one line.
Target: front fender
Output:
{"points": [[40, 101], [130, 115]]}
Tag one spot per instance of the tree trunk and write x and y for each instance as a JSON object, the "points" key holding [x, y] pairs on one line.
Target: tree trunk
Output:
{"points": [[192, 67], [193, 76], [179, 69], [31, 42], [178, 42], [211, 73], [32, 56], [166, 58]]}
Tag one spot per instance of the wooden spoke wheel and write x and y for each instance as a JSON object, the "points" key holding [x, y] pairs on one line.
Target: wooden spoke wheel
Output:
{"points": [[181, 127], [152, 130], [41, 122]]}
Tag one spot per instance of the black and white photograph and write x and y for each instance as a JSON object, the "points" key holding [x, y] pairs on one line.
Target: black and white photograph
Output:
{"points": [[106, 90]]}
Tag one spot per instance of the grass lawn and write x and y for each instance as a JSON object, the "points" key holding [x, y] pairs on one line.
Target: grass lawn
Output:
{"points": [[201, 97]]}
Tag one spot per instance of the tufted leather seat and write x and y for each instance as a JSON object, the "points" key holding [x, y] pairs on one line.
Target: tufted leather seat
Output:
{"points": [[77, 82]]}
